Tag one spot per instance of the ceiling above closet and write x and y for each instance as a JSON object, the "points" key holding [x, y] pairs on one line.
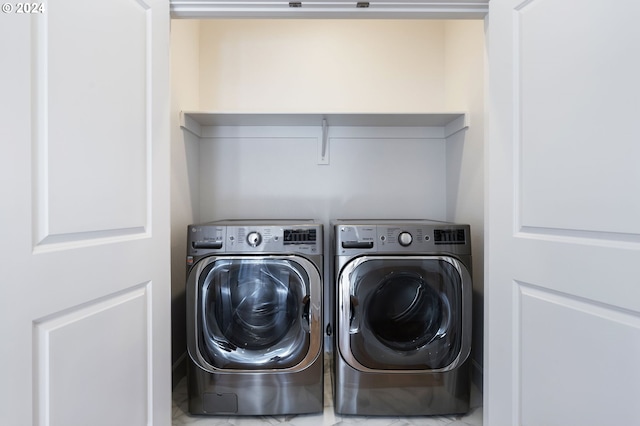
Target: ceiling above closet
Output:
{"points": [[351, 9]]}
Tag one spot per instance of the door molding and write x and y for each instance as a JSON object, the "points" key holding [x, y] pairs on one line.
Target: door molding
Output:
{"points": [[347, 9]]}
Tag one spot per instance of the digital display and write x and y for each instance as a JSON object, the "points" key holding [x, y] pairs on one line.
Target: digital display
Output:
{"points": [[299, 236], [449, 236]]}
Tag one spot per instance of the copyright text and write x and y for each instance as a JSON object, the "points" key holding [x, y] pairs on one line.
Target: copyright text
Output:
{"points": [[23, 8]]}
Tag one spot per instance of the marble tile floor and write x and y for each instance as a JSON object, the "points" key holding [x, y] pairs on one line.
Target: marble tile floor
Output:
{"points": [[181, 416]]}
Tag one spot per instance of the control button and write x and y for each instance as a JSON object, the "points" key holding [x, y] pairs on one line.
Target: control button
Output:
{"points": [[405, 239], [254, 239]]}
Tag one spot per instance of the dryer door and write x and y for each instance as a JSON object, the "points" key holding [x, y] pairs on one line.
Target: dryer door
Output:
{"points": [[404, 313], [253, 313]]}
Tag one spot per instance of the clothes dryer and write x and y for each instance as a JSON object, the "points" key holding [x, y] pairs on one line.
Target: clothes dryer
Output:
{"points": [[402, 299], [254, 317]]}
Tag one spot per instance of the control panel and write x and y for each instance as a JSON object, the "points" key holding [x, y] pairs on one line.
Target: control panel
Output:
{"points": [[400, 238], [210, 238]]}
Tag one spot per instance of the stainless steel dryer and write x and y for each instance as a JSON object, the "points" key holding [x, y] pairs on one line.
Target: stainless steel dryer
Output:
{"points": [[402, 299], [254, 317]]}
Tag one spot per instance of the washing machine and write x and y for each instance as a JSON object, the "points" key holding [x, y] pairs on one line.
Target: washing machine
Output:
{"points": [[402, 317], [254, 294]]}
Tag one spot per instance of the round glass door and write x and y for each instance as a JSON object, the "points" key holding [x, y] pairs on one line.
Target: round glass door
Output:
{"points": [[253, 313], [404, 313]]}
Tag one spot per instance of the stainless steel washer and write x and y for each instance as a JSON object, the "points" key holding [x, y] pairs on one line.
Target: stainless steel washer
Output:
{"points": [[254, 317], [402, 300]]}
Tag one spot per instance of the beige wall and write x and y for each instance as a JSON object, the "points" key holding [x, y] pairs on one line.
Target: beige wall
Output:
{"points": [[185, 56], [322, 66]]}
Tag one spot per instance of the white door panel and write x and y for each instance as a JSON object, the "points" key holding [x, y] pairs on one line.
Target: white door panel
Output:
{"points": [[575, 97], [577, 359], [92, 145], [563, 240], [84, 172], [112, 363]]}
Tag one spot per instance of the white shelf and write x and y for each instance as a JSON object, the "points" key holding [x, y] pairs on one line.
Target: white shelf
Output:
{"points": [[212, 124], [196, 121]]}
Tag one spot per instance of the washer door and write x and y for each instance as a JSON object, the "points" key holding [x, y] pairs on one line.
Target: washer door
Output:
{"points": [[253, 313], [404, 313]]}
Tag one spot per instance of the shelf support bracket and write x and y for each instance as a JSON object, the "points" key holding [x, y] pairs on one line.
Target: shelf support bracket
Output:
{"points": [[323, 151]]}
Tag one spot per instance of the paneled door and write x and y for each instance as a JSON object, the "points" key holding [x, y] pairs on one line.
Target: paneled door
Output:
{"points": [[84, 178], [563, 234]]}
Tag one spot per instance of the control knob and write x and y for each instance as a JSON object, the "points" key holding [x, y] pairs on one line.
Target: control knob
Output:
{"points": [[254, 239], [405, 239]]}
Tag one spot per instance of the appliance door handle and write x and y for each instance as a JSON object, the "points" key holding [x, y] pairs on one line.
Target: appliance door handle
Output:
{"points": [[306, 315], [354, 315]]}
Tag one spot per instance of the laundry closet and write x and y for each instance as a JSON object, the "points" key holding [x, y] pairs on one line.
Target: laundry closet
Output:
{"points": [[103, 169], [326, 119]]}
